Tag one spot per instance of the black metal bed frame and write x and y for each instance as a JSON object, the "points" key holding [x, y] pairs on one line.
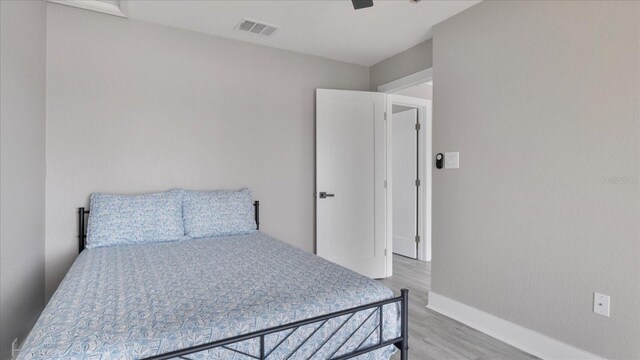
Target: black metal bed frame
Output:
{"points": [[401, 342]]}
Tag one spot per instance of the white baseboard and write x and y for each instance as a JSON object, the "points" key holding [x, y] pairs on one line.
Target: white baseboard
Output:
{"points": [[515, 335]]}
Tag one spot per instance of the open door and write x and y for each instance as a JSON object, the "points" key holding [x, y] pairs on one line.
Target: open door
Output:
{"points": [[406, 180], [421, 218], [350, 180]]}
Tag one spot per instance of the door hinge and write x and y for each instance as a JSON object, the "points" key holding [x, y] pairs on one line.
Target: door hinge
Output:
{"points": [[417, 126], [417, 182], [417, 239], [385, 184], [385, 252], [385, 116]]}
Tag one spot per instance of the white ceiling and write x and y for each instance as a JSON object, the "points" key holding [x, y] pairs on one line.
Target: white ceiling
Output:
{"points": [[326, 28]]}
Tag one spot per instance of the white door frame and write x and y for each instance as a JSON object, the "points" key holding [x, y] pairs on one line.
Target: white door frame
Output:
{"points": [[425, 166], [420, 77]]}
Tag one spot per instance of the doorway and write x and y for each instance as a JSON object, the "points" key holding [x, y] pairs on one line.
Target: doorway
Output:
{"points": [[410, 157], [354, 180]]}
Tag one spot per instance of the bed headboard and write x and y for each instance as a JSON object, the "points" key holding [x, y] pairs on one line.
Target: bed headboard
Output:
{"points": [[82, 220]]}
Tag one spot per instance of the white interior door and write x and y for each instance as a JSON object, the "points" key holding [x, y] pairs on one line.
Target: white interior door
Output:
{"points": [[350, 176], [424, 172], [405, 173]]}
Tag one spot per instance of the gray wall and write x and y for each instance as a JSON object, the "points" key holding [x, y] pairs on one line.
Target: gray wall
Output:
{"points": [[22, 167], [402, 64], [137, 107], [542, 99]]}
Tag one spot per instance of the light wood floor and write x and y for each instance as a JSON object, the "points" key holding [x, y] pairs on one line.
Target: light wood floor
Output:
{"points": [[435, 336]]}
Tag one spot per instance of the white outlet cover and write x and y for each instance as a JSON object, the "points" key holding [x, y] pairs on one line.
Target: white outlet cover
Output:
{"points": [[601, 304], [452, 160]]}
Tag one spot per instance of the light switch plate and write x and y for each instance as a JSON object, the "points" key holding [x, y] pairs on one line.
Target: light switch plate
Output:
{"points": [[452, 160]]}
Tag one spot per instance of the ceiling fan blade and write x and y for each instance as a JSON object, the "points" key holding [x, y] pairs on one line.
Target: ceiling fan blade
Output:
{"points": [[361, 4]]}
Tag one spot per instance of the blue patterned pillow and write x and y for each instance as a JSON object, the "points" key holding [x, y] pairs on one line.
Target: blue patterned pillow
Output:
{"points": [[220, 212], [135, 219]]}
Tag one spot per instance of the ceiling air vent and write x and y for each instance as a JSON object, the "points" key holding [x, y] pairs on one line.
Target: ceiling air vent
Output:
{"points": [[256, 27]]}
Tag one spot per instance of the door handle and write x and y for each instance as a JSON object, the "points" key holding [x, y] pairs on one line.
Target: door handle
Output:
{"points": [[324, 195]]}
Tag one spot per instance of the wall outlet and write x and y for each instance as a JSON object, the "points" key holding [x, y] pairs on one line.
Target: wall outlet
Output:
{"points": [[601, 304]]}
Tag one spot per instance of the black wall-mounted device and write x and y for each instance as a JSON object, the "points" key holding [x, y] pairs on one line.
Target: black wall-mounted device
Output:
{"points": [[439, 160], [361, 4]]}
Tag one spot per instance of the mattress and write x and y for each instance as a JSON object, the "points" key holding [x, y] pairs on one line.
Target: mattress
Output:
{"points": [[134, 301]]}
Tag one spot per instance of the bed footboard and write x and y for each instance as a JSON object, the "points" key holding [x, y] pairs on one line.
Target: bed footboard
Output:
{"points": [[401, 342]]}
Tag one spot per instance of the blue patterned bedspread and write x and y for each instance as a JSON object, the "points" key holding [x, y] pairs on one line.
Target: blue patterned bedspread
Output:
{"points": [[133, 301]]}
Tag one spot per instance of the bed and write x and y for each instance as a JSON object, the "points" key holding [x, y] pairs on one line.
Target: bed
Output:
{"points": [[246, 296]]}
